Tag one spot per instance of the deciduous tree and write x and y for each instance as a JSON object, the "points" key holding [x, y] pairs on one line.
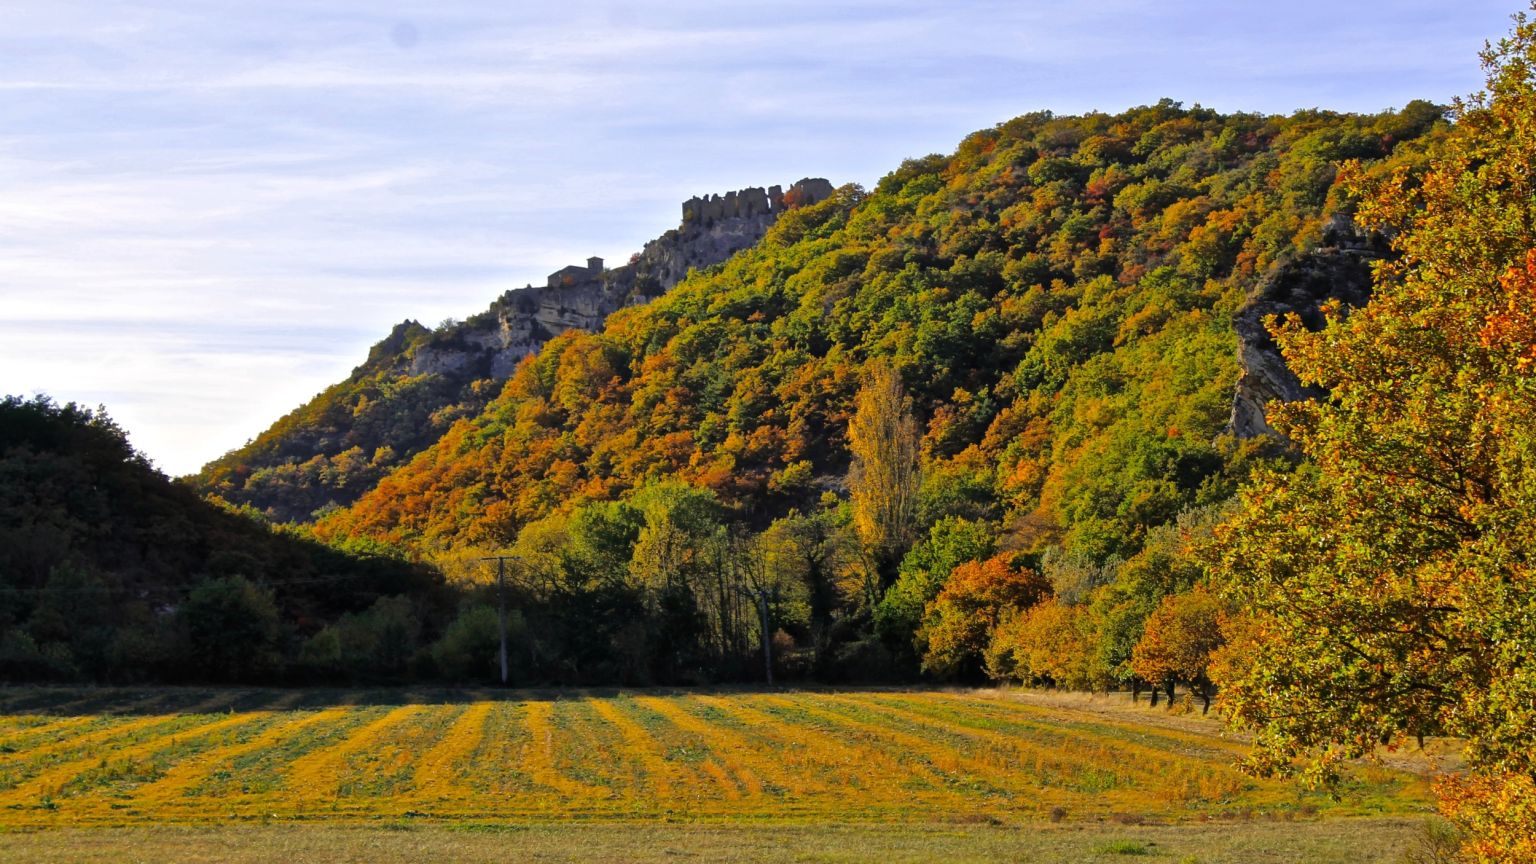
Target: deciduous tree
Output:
{"points": [[886, 475], [1394, 579]]}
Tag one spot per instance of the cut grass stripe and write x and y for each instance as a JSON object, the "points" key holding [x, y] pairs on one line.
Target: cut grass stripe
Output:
{"points": [[387, 767], [1141, 745], [48, 782], [151, 759], [542, 759], [441, 770], [811, 749], [260, 773], [687, 755], [955, 768], [1068, 718], [317, 775], [660, 776], [742, 758], [63, 732], [187, 775], [1064, 763], [497, 764]]}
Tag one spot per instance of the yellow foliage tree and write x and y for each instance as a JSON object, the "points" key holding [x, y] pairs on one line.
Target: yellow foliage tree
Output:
{"points": [[886, 473]]}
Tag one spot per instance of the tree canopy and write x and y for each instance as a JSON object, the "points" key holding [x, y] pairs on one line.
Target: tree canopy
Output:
{"points": [[1391, 580]]}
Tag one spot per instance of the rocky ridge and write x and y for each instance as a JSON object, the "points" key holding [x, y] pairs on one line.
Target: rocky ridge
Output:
{"points": [[581, 297]]}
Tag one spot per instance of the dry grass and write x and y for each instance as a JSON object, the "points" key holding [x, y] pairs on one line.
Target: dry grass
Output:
{"points": [[790, 758]]}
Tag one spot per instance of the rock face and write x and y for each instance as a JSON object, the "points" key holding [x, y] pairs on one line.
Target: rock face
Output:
{"points": [[577, 297], [1339, 269]]}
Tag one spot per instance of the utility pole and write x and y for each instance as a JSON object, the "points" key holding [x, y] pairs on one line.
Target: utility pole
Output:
{"points": [[501, 603]]}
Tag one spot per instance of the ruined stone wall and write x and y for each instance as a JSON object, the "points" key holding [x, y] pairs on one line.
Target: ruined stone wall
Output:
{"points": [[522, 320], [753, 202]]}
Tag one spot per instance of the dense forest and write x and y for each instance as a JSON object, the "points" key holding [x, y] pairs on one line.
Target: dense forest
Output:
{"points": [[111, 572], [992, 393]]}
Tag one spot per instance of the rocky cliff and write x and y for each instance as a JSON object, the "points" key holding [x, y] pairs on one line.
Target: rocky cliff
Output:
{"points": [[416, 381], [1338, 269]]}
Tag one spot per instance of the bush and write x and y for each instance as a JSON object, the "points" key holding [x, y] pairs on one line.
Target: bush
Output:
{"points": [[232, 630], [469, 648]]}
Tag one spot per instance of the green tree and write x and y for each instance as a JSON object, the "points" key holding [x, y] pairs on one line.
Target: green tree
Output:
{"points": [[232, 628], [1392, 582], [950, 543], [812, 552]]}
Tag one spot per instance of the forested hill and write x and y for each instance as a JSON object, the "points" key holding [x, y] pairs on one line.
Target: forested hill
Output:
{"points": [[417, 381], [1057, 296], [111, 572]]}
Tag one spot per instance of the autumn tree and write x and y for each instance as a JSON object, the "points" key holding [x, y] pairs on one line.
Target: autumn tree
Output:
{"points": [[1050, 643], [886, 475], [1393, 579], [959, 622], [922, 573], [1181, 635]]}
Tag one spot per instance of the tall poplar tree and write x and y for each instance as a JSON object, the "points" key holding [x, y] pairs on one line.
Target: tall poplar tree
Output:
{"points": [[886, 473]]}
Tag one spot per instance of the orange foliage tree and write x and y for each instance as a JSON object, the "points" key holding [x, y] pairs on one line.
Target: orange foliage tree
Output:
{"points": [[959, 622], [1181, 635], [1393, 577], [1050, 643]]}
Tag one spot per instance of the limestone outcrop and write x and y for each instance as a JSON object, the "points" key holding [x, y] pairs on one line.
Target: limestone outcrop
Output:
{"points": [[1339, 269], [418, 380]]}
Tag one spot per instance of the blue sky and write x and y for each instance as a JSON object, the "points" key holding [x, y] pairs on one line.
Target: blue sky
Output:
{"points": [[209, 210]]}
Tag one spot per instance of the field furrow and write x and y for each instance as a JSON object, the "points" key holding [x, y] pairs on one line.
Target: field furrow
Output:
{"points": [[320, 776], [541, 755], [1071, 763], [739, 758], [878, 774], [180, 781], [661, 775], [121, 745], [1144, 758], [497, 766], [264, 771], [59, 731], [132, 767]]}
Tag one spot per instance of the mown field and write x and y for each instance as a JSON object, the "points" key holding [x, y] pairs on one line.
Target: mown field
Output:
{"points": [[471, 762]]}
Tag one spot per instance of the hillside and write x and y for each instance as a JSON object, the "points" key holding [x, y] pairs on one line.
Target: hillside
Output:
{"points": [[417, 381], [111, 572], [1058, 297], [1051, 342]]}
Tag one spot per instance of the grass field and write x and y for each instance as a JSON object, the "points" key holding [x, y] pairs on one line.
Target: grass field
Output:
{"points": [[458, 767]]}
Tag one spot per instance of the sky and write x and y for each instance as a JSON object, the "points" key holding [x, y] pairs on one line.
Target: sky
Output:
{"points": [[210, 210]]}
